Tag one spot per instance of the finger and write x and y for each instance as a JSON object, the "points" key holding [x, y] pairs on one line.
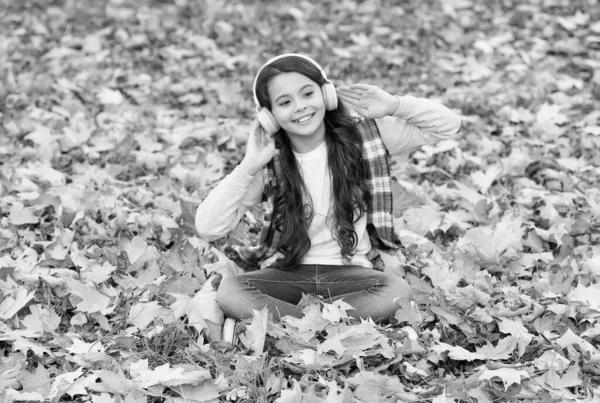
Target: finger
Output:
{"points": [[360, 110], [360, 86], [262, 136], [348, 90], [349, 95], [352, 102], [269, 141], [255, 127]]}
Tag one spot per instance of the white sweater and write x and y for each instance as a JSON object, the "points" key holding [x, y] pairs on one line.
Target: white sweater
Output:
{"points": [[416, 122]]}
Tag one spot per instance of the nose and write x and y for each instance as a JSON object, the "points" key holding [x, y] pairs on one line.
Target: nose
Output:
{"points": [[300, 105]]}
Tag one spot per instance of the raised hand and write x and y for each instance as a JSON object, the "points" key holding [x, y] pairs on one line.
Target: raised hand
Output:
{"points": [[260, 149], [368, 100]]}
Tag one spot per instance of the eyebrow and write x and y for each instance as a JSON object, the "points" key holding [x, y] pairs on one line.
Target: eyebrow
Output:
{"points": [[301, 89]]}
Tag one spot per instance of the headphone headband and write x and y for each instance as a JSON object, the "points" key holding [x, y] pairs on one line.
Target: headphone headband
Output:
{"points": [[281, 57]]}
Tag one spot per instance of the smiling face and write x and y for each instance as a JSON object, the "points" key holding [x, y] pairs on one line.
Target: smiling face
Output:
{"points": [[297, 105]]}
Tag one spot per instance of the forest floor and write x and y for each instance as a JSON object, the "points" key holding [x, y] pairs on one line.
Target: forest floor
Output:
{"points": [[117, 118]]}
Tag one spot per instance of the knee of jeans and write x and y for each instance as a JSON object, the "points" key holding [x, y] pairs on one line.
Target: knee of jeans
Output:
{"points": [[228, 289], [398, 286]]}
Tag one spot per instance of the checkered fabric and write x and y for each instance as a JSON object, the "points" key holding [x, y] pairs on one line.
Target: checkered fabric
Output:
{"points": [[380, 224], [380, 221]]}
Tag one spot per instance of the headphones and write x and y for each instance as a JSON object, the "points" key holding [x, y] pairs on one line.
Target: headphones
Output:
{"points": [[264, 115]]}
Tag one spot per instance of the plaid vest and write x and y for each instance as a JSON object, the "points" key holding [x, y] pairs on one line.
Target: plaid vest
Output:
{"points": [[380, 223]]}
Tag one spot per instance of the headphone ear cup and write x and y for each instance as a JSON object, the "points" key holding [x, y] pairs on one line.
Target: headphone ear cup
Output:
{"points": [[330, 97], [267, 121]]}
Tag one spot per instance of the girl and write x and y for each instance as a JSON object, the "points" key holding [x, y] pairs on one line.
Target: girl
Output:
{"points": [[324, 182]]}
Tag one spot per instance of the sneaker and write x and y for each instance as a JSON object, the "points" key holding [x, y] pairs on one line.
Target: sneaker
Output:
{"points": [[229, 334]]}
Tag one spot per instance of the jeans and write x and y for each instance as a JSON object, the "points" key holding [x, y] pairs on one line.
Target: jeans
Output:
{"points": [[371, 293]]}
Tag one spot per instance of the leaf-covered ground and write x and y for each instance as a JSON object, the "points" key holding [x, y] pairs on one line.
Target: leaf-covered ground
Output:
{"points": [[118, 117]]}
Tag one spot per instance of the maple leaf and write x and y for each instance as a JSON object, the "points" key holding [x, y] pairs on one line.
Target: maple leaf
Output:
{"points": [[138, 248], [65, 383], [569, 338], [481, 315], [110, 382], [21, 342], [41, 320], [21, 215], [467, 297], [36, 381], [569, 379], [551, 360], [311, 322], [374, 387], [59, 249], [456, 352], [110, 97], [593, 263], [470, 195], [518, 331], [508, 376], [293, 395], [255, 335], [587, 295], [446, 314], [205, 392], [358, 339], [17, 396], [308, 357], [11, 305], [422, 220], [491, 243], [146, 273], [166, 375], [10, 368], [336, 311], [144, 313], [90, 300], [81, 347], [97, 274], [502, 351], [202, 307], [483, 180], [440, 273], [408, 311], [333, 344]]}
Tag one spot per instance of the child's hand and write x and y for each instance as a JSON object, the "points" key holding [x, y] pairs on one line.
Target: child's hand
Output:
{"points": [[260, 149], [370, 101]]}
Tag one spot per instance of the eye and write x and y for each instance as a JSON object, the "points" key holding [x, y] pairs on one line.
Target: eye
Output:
{"points": [[309, 93], [284, 103]]}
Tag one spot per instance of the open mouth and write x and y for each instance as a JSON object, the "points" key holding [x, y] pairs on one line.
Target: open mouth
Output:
{"points": [[304, 119]]}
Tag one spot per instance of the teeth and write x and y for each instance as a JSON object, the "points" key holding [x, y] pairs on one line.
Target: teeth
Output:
{"points": [[304, 119]]}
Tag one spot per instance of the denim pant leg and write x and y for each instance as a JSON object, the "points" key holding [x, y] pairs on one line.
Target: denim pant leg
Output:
{"points": [[371, 293], [276, 289]]}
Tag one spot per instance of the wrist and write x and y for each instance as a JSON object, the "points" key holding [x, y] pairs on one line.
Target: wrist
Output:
{"points": [[394, 104], [249, 167]]}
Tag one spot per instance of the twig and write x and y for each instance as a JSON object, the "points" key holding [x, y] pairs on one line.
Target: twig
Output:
{"points": [[388, 364]]}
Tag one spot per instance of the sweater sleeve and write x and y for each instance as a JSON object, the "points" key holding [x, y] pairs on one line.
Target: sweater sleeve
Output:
{"points": [[227, 203], [417, 122]]}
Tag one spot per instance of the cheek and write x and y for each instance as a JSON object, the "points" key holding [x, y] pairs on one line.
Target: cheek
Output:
{"points": [[279, 114], [319, 100]]}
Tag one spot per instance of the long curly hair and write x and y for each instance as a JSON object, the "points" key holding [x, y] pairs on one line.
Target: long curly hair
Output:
{"points": [[293, 206]]}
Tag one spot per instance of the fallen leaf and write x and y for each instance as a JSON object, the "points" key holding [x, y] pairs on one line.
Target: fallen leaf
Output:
{"points": [[256, 333], [508, 376], [144, 313]]}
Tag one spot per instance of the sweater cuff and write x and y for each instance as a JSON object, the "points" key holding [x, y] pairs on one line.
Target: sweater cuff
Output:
{"points": [[405, 106], [239, 178]]}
